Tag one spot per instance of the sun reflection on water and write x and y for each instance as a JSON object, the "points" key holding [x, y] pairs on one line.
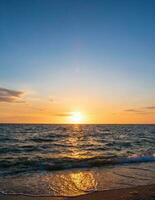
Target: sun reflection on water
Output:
{"points": [[72, 184]]}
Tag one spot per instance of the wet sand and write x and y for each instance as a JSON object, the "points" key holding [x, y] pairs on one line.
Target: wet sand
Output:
{"points": [[135, 193]]}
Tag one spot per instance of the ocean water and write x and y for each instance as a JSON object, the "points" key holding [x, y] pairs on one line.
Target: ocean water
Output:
{"points": [[69, 160]]}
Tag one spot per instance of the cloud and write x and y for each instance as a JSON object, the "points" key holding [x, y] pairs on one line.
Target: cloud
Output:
{"points": [[150, 108], [63, 114], [51, 99], [132, 110], [11, 96], [136, 111], [144, 110]]}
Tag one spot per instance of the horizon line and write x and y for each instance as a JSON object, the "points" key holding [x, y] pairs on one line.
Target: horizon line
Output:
{"points": [[27, 123]]}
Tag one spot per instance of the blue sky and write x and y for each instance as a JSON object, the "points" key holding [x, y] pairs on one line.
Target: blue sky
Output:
{"points": [[87, 47]]}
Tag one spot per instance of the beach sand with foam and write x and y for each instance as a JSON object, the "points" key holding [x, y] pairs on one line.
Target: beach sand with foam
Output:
{"points": [[135, 193]]}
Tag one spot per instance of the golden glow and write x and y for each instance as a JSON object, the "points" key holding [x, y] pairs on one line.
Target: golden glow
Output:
{"points": [[72, 184], [71, 112], [76, 117]]}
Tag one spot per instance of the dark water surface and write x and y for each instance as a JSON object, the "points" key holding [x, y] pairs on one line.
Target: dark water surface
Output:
{"points": [[26, 148], [31, 151]]}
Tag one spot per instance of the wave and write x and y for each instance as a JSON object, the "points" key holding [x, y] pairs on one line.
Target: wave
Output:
{"points": [[24, 165], [137, 159], [57, 147]]}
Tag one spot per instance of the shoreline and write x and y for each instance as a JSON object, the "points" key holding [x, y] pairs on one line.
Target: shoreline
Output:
{"points": [[146, 192], [72, 184]]}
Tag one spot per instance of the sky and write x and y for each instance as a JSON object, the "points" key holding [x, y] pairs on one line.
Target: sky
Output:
{"points": [[95, 57]]}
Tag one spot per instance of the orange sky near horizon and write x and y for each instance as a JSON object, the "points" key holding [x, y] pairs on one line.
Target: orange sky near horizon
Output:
{"points": [[35, 110]]}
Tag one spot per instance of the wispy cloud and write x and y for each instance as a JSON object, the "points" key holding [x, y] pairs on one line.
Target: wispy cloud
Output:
{"points": [[131, 110], [143, 110], [10, 96], [150, 107], [51, 99], [63, 114], [136, 111]]}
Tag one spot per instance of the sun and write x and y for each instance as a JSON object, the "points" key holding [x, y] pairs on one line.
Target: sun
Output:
{"points": [[76, 117]]}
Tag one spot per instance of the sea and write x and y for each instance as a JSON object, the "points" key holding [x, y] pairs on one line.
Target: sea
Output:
{"points": [[74, 159]]}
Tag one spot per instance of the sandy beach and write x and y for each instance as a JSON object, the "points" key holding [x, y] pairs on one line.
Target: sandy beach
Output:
{"points": [[135, 193]]}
